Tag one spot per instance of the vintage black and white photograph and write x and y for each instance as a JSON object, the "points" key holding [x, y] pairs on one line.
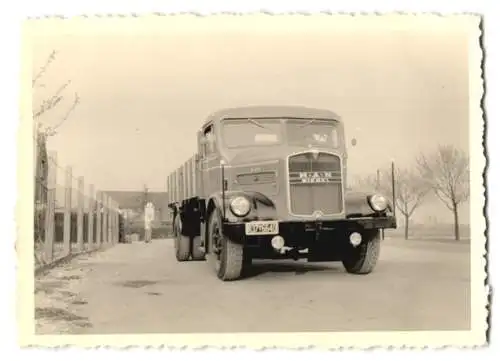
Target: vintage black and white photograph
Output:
{"points": [[220, 179]]}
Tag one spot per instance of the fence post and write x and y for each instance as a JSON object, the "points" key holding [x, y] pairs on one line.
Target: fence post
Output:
{"points": [[114, 234], [110, 220], [117, 222], [79, 221], [116, 219], [104, 218], [90, 217], [106, 210], [67, 211], [98, 238], [51, 204]]}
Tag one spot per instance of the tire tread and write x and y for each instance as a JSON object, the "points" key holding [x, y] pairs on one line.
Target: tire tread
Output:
{"points": [[232, 262], [368, 257], [196, 254], [182, 245]]}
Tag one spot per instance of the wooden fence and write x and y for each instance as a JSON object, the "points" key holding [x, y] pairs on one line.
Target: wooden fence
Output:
{"points": [[71, 217]]}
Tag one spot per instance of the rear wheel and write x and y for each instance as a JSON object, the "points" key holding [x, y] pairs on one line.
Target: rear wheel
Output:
{"points": [[225, 256], [196, 253], [182, 243], [363, 258]]}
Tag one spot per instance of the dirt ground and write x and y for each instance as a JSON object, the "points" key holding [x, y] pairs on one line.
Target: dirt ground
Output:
{"points": [[141, 288]]}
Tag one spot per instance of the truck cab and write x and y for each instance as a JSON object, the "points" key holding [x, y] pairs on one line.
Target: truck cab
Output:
{"points": [[270, 182]]}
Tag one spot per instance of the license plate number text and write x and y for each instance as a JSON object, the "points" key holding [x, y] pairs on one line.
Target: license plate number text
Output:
{"points": [[261, 228]]}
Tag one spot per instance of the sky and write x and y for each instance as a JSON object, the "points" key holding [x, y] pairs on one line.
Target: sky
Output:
{"points": [[401, 85]]}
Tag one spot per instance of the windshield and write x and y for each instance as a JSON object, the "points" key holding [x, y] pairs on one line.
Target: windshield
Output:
{"points": [[312, 132], [251, 132], [262, 132]]}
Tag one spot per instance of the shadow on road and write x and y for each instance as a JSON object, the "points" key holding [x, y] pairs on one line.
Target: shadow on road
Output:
{"points": [[136, 283], [297, 268], [154, 293], [52, 314]]}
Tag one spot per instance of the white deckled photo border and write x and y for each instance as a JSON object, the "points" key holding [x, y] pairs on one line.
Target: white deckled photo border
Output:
{"points": [[360, 340]]}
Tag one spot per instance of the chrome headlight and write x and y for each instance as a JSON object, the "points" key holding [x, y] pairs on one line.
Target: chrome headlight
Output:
{"points": [[240, 206], [378, 202]]}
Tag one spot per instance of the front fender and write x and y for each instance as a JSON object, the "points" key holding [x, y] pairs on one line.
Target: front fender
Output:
{"points": [[261, 207], [357, 205]]}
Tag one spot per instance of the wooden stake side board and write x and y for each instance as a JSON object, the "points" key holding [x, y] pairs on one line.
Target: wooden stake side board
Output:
{"points": [[183, 182]]}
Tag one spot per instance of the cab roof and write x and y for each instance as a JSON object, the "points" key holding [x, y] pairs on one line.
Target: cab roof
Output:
{"points": [[272, 111]]}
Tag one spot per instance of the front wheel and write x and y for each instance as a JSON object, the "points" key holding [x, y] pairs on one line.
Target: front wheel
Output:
{"points": [[363, 258], [224, 255]]}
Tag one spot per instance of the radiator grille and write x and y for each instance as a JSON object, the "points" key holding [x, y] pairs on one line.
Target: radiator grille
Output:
{"points": [[315, 183]]}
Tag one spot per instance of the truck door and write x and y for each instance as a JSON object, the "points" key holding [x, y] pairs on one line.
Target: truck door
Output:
{"points": [[214, 173], [208, 162]]}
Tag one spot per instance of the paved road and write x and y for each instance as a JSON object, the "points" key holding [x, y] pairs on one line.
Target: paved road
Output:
{"points": [[140, 288]]}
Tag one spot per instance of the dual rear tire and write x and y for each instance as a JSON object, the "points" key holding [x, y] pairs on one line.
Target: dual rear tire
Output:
{"points": [[186, 247]]}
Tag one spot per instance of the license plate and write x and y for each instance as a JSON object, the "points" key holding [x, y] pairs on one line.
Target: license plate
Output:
{"points": [[261, 227]]}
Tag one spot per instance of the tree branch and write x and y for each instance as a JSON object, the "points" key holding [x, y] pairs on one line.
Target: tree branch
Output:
{"points": [[44, 68], [53, 129], [446, 171], [54, 100], [410, 190]]}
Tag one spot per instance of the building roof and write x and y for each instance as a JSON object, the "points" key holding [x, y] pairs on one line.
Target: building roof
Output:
{"points": [[135, 199]]}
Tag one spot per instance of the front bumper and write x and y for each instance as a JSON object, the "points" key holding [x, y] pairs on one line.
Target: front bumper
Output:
{"points": [[302, 234]]}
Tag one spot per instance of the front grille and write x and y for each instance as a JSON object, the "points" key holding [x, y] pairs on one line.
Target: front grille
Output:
{"points": [[315, 183]]}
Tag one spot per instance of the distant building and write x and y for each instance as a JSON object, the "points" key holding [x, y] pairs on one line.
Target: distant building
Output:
{"points": [[135, 201]]}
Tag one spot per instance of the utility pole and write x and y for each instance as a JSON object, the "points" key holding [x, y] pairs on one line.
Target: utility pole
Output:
{"points": [[378, 189]]}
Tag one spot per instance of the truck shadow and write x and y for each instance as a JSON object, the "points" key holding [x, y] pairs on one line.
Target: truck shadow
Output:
{"points": [[298, 268], [136, 283]]}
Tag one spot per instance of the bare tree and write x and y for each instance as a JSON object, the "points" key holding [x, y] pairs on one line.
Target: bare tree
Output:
{"points": [[42, 132], [410, 191], [52, 101], [446, 171]]}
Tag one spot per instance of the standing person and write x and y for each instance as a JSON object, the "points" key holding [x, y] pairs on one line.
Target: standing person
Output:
{"points": [[148, 219]]}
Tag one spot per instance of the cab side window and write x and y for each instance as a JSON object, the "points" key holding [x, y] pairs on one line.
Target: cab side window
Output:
{"points": [[209, 141]]}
